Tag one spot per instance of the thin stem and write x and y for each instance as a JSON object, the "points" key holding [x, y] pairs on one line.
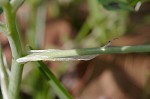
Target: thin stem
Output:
{"points": [[40, 24], [15, 44], [31, 32], [80, 54], [3, 76], [37, 25], [57, 86]]}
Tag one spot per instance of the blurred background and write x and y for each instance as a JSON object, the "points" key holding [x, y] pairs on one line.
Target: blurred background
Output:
{"points": [[68, 24]]}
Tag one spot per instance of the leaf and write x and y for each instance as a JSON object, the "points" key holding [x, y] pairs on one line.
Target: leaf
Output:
{"points": [[52, 80], [38, 55], [70, 58]]}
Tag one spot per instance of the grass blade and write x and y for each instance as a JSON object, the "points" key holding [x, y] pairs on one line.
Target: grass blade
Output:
{"points": [[55, 84]]}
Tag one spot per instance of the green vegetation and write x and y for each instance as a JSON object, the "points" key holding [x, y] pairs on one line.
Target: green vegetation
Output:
{"points": [[103, 27]]}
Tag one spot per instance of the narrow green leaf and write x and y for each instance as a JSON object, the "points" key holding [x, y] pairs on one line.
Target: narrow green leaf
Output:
{"points": [[54, 55], [55, 84]]}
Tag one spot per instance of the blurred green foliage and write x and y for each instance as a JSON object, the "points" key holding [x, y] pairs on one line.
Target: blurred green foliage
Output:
{"points": [[105, 20], [101, 25], [1, 10], [120, 4], [115, 4]]}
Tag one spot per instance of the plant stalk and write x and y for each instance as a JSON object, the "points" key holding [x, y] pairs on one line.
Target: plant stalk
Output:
{"points": [[3, 76], [66, 55], [15, 44], [55, 84]]}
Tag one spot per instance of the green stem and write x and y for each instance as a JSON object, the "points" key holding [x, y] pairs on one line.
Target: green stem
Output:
{"points": [[36, 25], [15, 44], [40, 24], [31, 32], [64, 55], [58, 88], [3, 77]]}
